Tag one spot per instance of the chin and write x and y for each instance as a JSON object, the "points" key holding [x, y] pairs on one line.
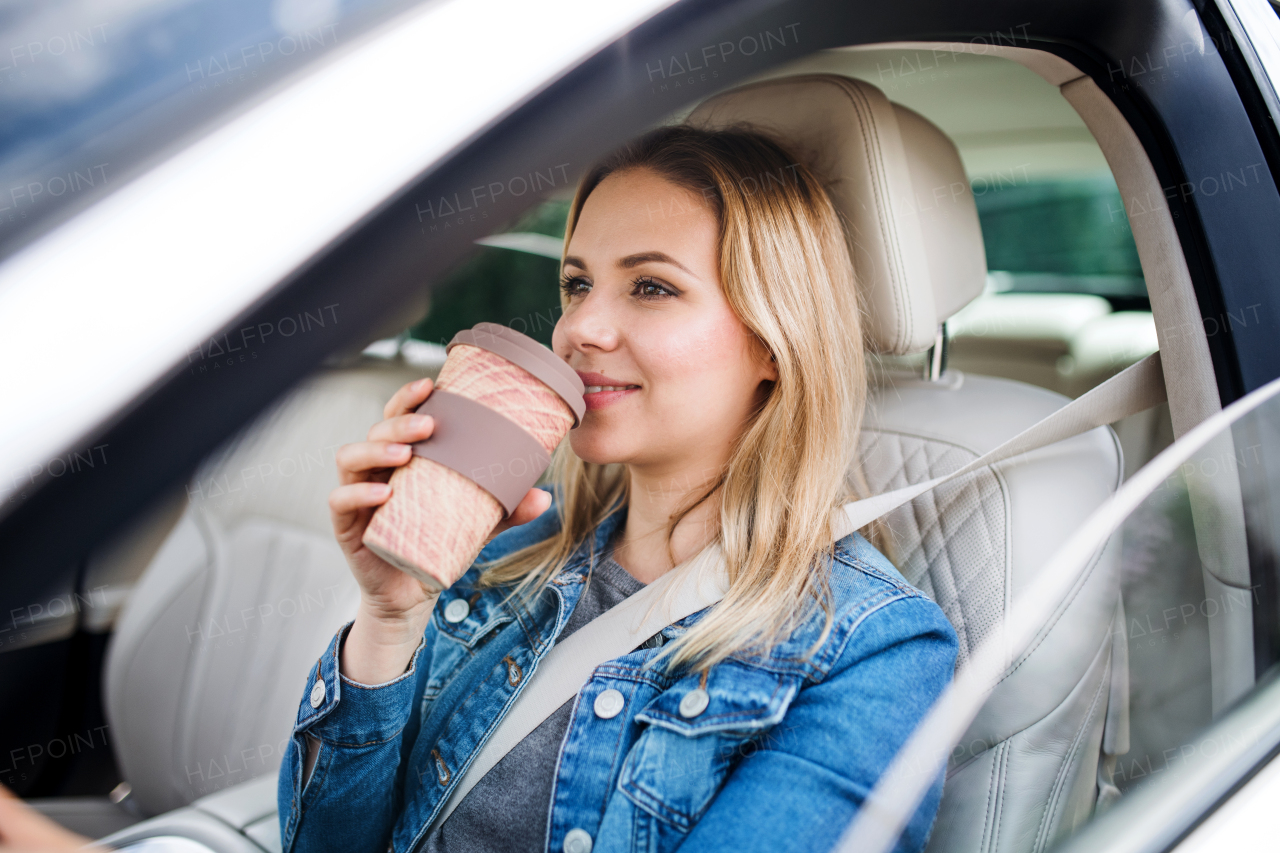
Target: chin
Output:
{"points": [[590, 445]]}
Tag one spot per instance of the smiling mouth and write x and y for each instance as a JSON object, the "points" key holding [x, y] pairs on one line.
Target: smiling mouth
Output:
{"points": [[594, 389]]}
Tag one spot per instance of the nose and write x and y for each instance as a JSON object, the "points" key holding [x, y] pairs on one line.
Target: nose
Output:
{"points": [[587, 326]]}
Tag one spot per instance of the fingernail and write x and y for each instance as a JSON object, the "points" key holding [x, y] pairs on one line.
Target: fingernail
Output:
{"points": [[398, 450], [423, 383], [421, 421], [381, 490]]}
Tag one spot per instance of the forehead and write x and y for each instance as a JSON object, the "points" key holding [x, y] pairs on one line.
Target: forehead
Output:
{"points": [[638, 210]]}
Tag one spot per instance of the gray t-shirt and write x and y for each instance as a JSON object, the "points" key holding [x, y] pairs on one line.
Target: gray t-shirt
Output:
{"points": [[506, 812]]}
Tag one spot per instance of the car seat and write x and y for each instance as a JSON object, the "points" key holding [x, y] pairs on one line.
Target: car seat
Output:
{"points": [[204, 668]]}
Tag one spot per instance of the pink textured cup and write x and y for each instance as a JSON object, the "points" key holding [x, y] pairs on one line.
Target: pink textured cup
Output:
{"points": [[501, 404]]}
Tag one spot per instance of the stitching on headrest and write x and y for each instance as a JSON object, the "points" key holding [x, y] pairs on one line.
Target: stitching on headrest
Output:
{"points": [[871, 144]]}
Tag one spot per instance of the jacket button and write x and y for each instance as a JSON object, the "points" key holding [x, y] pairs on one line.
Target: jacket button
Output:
{"points": [[456, 610], [694, 702], [609, 704], [317, 693], [577, 841]]}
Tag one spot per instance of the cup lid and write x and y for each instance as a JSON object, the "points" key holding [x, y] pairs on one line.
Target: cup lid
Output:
{"points": [[526, 353]]}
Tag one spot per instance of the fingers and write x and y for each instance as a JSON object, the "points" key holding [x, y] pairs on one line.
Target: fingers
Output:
{"points": [[403, 428], [408, 398], [356, 460], [358, 496], [387, 447], [348, 503], [533, 504]]}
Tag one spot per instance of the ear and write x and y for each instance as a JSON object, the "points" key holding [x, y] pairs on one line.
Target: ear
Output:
{"points": [[763, 358], [771, 368]]}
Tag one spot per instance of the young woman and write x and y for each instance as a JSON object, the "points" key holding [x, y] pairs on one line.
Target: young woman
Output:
{"points": [[710, 308]]}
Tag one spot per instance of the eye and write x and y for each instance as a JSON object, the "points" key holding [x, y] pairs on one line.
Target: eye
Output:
{"points": [[648, 288], [573, 285]]}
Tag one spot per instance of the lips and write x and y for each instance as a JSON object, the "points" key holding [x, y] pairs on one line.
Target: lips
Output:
{"points": [[595, 382], [600, 390], [600, 399], [595, 389]]}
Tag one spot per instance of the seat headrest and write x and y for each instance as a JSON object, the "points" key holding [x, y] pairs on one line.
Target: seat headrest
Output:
{"points": [[896, 181]]}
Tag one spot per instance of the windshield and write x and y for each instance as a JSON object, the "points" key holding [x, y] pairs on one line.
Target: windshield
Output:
{"points": [[92, 91]]}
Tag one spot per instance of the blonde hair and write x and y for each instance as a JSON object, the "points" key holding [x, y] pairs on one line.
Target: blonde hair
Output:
{"points": [[786, 271]]}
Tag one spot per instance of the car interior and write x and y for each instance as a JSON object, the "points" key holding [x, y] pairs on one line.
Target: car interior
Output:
{"points": [[985, 191]]}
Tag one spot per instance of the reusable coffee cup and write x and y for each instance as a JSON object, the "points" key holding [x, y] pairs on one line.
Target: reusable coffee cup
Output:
{"points": [[501, 404]]}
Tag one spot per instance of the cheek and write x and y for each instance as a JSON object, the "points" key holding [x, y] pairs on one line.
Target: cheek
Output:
{"points": [[709, 356]]}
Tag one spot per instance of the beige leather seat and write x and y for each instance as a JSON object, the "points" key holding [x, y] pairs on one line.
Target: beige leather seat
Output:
{"points": [[1028, 769], [204, 667], [209, 652]]}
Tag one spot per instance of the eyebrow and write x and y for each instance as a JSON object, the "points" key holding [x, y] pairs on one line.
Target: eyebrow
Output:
{"points": [[632, 261]]}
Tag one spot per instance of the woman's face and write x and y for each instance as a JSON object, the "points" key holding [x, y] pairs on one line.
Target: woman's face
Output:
{"points": [[647, 314]]}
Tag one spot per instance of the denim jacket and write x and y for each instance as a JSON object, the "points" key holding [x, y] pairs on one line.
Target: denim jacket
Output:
{"points": [[779, 759]]}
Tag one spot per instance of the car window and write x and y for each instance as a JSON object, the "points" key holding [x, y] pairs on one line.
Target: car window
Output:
{"points": [[1066, 304], [1199, 557], [1196, 532], [1050, 232], [1059, 235], [514, 287]]}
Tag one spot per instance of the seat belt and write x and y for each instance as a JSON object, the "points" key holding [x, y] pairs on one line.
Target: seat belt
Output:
{"points": [[702, 580]]}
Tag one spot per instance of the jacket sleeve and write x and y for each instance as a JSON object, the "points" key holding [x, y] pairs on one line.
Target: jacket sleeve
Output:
{"points": [[809, 775], [351, 801], [356, 790]]}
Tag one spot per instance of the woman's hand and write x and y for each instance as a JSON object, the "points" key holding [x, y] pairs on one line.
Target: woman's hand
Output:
{"points": [[394, 606], [363, 471], [25, 830]]}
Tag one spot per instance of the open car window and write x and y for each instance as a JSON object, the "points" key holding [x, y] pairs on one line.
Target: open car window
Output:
{"points": [[1066, 306]]}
